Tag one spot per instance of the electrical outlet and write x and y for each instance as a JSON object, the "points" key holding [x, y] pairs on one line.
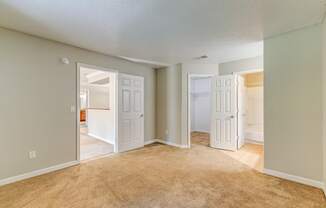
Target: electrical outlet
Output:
{"points": [[32, 154]]}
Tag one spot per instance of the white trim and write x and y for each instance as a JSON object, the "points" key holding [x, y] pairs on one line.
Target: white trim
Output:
{"points": [[116, 115], [250, 141], [298, 179], [190, 76], [166, 143], [37, 172], [99, 138], [171, 143], [78, 111], [149, 142]]}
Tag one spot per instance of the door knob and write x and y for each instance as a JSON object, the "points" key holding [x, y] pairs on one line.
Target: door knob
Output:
{"points": [[141, 115], [232, 117]]}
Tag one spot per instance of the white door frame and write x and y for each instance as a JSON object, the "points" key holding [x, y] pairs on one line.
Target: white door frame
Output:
{"points": [[190, 76], [116, 112], [249, 71]]}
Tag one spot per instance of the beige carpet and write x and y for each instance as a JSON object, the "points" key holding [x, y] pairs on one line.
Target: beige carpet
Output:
{"points": [[160, 176]]}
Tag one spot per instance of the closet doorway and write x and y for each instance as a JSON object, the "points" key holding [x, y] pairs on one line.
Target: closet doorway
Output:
{"points": [[200, 109]]}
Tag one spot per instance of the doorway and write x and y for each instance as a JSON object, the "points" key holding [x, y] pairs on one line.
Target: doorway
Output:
{"points": [[251, 108], [97, 117], [199, 101], [235, 115]]}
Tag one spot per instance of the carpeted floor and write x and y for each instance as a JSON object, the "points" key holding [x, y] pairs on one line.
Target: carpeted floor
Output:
{"points": [[160, 176]]}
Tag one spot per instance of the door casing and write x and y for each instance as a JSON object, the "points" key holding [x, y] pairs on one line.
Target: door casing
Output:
{"points": [[77, 108]]}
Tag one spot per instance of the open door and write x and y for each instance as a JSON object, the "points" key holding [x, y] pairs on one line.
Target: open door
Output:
{"points": [[131, 112], [241, 110], [224, 113]]}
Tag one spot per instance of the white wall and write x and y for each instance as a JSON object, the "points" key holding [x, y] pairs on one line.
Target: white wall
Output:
{"points": [[292, 103], [255, 106], [38, 91], [200, 104], [98, 97], [101, 122], [254, 114]]}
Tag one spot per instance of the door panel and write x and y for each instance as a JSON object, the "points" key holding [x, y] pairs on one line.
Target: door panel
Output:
{"points": [[224, 120], [126, 100], [131, 112]]}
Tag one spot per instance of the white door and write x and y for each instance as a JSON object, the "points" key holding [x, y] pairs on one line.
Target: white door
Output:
{"points": [[241, 111], [224, 113], [131, 112]]}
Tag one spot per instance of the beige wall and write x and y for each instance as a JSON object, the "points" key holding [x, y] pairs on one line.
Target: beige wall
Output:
{"points": [[37, 92], [168, 104], [293, 111], [172, 100], [324, 99], [241, 65]]}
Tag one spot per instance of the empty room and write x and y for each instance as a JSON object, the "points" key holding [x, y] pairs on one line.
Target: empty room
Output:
{"points": [[155, 103]]}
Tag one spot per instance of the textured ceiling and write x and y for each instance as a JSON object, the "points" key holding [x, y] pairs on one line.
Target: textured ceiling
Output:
{"points": [[162, 31]]}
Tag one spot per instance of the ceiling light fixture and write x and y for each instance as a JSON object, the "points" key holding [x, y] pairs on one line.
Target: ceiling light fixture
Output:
{"points": [[202, 57]]}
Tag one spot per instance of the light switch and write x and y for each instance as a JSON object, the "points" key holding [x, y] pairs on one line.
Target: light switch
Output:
{"points": [[72, 109]]}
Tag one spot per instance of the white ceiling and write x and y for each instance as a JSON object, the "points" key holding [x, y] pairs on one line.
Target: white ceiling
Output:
{"points": [[162, 31]]}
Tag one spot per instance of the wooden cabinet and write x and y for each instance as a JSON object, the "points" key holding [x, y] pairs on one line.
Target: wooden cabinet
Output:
{"points": [[82, 115]]}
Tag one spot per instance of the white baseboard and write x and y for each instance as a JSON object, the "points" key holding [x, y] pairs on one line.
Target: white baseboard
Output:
{"points": [[171, 143], [298, 179], [37, 173], [165, 142], [99, 138], [149, 142], [250, 141]]}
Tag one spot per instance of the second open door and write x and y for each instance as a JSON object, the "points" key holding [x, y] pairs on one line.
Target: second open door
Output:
{"points": [[224, 113], [131, 112]]}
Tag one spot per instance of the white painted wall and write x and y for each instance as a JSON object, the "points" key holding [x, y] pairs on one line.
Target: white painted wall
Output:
{"points": [[99, 97], [254, 119], [200, 104], [101, 122]]}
